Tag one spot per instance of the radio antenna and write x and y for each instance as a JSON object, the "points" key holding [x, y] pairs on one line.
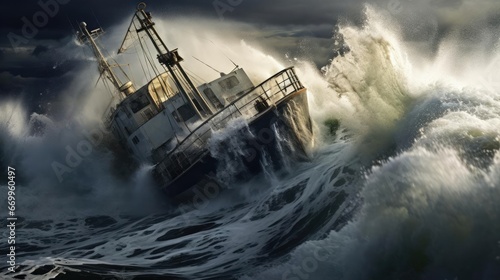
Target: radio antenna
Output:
{"points": [[235, 65], [206, 64]]}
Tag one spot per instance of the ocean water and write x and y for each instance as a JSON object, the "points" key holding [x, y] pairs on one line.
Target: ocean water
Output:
{"points": [[407, 188]]}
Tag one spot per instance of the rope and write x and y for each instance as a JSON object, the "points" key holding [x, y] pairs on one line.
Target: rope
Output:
{"points": [[195, 77], [146, 59], [142, 65]]}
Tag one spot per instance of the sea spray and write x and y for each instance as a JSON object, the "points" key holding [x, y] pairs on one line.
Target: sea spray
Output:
{"points": [[429, 209]]}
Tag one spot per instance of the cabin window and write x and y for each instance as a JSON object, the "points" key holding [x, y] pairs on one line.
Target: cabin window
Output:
{"points": [[148, 114], [209, 93], [135, 140], [139, 103], [183, 113], [229, 83]]}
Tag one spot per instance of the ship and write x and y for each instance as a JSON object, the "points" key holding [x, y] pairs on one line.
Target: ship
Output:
{"points": [[195, 135]]}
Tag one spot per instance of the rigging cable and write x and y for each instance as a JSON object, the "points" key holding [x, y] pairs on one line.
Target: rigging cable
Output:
{"points": [[206, 64], [153, 67]]}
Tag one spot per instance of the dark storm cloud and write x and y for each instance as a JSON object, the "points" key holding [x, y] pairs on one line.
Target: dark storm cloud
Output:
{"points": [[285, 12], [259, 12], [40, 49], [24, 26], [318, 31]]}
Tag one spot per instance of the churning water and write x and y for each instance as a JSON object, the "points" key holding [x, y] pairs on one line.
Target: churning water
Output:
{"points": [[407, 188]]}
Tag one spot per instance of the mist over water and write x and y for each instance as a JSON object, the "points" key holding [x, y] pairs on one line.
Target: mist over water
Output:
{"points": [[406, 189]]}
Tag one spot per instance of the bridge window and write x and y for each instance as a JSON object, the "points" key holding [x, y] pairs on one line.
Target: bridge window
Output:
{"points": [[229, 83], [183, 113], [139, 103]]}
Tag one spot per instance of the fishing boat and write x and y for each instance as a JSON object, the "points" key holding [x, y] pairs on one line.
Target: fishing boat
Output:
{"points": [[221, 131]]}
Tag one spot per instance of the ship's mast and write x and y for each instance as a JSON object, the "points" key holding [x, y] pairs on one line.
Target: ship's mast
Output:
{"points": [[171, 60], [104, 68]]}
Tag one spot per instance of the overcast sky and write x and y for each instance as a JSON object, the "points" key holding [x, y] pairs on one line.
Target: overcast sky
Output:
{"points": [[30, 63]]}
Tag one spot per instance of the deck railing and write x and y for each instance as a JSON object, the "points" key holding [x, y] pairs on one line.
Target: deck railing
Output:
{"points": [[194, 145]]}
